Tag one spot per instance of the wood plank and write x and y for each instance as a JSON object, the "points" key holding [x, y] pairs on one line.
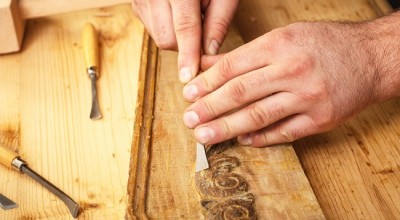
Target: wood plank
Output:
{"points": [[354, 169], [41, 8], [163, 183], [12, 24], [44, 115]]}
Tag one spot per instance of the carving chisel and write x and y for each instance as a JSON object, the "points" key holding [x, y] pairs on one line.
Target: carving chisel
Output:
{"points": [[90, 47], [6, 203], [201, 157], [13, 161]]}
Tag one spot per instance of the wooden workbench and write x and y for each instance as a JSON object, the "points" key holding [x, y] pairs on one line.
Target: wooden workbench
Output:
{"points": [[45, 99]]}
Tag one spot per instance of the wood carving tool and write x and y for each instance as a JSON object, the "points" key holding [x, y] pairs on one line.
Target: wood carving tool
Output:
{"points": [[90, 47], [201, 157], [6, 203], [13, 161]]}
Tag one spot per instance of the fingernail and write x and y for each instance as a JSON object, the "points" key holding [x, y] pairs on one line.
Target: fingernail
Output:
{"points": [[191, 119], [204, 135], [185, 75], [190, 92], [213, 47], [245, 139]]}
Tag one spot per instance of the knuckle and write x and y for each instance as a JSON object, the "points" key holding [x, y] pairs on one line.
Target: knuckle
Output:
{"points": [[208, 85], [220, 26], [317, 92], [302, 65], [225, 67], [209, 109], [258, 116], [187, 24], [288, 136], [237, 91], [283, 35], [226, 131], [324, 121], [267, 115]]}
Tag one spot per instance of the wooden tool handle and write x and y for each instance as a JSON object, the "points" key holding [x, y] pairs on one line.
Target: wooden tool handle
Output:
{"points": [[6, 156], [90, 46]]}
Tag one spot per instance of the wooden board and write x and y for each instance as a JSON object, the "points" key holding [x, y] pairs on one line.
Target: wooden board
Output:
{"points": [[40, 8], [45, 103], [12, 24], [163, 183], [354, 169]]}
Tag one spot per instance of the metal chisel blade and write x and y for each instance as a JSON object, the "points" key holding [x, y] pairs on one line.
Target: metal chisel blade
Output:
{"points": [[95, 111], [69, 202], [6, 203], [201, 157]]}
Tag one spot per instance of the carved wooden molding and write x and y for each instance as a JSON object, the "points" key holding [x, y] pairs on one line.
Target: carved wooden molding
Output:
{"points": [[224, 193]]}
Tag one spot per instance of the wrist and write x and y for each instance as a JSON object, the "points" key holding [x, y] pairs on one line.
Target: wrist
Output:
{"points": [[383, 49]]}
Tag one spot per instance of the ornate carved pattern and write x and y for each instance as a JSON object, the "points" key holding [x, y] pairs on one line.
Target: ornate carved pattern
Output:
{"points": [[224, 194]]}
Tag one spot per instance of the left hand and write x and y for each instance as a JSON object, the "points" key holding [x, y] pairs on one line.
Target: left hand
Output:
{"points": [[292, 82]]}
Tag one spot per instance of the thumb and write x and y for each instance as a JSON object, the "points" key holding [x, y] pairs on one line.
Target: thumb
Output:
{"points": [[217, 18]]}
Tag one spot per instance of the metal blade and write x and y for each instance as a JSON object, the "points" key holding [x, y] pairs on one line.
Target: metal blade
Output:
{"points": [[6, 203], [95, 112], [201, 157], [71, 204]]}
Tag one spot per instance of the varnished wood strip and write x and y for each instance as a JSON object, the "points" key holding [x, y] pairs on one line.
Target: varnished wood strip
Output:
{"points": [[140, 154]]}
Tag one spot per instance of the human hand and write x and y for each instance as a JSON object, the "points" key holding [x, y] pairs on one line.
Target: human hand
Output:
{"points": [[292, 82], [177, 24]]}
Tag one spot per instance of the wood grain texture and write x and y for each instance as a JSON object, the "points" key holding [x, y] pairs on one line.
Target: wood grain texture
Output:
{"points": [[162, 177], [354, 169], [44, 115]]}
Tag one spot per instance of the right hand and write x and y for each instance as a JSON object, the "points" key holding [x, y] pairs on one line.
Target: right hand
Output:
{"points": [[177, 25]]}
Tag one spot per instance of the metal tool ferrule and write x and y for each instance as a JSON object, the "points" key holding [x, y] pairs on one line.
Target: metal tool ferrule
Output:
{"points": [[92, 71], [17, 164]]}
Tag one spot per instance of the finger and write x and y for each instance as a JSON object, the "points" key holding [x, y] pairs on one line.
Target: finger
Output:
{"points": [[249, 119], [236, 93], [242, 60], [209, 60], [187, 24], [217, 18], [285, 131], [162, 27], [139, 8]]}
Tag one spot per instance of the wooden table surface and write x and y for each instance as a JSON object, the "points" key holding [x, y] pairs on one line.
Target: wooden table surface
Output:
{"points": [[45, 101]]}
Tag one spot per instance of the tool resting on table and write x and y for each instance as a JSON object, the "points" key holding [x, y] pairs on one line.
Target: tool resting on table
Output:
{"points": [[91, 51], [13, 161]]}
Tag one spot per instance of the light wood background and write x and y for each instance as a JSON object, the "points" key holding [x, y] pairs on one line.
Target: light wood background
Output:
{"points": [[354, 169], [45, 101]]}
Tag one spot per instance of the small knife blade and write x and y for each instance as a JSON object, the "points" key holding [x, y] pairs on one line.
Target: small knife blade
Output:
{"points": [[201, 157], [6, 203]]}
